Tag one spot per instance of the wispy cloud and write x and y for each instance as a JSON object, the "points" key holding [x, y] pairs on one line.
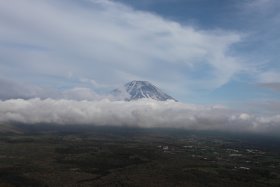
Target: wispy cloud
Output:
{"points": [[270, 79], [272, 85], [261, 45], [20, 90], [12, 90], [105, 41]]}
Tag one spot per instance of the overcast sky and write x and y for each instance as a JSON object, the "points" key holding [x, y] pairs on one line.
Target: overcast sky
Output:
{"points": [[198, 51]]}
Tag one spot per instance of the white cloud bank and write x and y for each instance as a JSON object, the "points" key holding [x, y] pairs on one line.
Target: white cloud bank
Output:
{"points": [[142, 113]]}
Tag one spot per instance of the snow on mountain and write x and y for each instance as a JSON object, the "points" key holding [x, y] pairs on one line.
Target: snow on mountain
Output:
{"points": [[141, 89]]}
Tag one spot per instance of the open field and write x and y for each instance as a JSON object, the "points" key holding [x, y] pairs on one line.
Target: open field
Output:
{"points": [[110, 156]]}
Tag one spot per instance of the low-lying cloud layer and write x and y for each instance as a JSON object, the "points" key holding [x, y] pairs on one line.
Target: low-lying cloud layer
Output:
{"points": [[142, 113]]}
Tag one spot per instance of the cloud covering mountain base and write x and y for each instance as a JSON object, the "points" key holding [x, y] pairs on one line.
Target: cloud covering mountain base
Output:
{"points": [[141, 113]]}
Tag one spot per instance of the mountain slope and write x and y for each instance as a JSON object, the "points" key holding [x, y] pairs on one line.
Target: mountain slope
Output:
{"points": [[141, 89]]}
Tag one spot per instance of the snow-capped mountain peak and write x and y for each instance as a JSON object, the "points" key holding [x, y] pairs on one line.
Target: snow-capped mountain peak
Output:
{"points": [[141, 89]]}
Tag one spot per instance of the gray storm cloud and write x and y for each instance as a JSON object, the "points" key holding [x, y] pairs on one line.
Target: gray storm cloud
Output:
{"points": [[142, 113]]}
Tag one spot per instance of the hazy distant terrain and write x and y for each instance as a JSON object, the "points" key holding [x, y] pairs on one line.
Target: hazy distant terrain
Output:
{"points": [[118, 156]]}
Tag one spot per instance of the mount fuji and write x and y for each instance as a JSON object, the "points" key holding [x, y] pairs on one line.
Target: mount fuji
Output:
{"points": [[135, 90]]}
